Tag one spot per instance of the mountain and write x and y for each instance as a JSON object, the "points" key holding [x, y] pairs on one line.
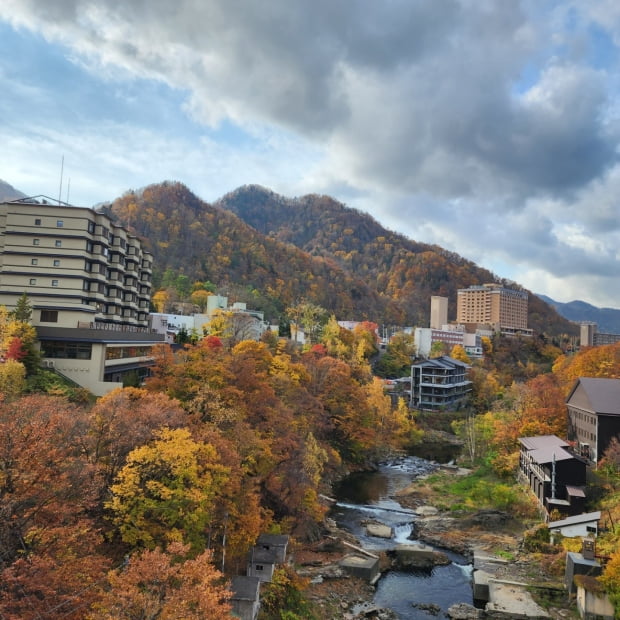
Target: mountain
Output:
{"points": [[397, 267], [208, 243], [607, 319], [311, 248], [8, 192]]}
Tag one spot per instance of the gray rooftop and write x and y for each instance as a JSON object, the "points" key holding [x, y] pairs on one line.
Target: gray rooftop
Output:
{"points": [[597, 395], [245, 588], [586, 517], [542, 442]]}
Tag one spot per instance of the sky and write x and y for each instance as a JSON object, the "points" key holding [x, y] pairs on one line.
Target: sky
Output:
{"points": [[488, 127]]}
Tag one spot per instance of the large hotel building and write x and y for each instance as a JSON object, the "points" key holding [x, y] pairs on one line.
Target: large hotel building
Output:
{"points": [[89, 284], [491, 304]]}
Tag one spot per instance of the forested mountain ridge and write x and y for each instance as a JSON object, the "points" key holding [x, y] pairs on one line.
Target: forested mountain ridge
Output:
{"points": [[208, 243], [311, 248], [397, 267]]}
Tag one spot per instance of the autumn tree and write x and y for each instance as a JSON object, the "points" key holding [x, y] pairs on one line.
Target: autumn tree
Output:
{"points": [[59, 575], [200, 298], [160, 300], [12, 378], [458, 353], [44, 480], [310, 317], [168, 585], [122, 420], [167, 491], [397, 359]]}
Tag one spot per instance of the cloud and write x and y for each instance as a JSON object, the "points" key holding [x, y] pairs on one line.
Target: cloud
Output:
{"points": [[490, 128]]}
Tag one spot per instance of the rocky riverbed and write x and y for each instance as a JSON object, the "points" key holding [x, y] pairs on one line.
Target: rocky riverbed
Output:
{"points": [[340, 596]]}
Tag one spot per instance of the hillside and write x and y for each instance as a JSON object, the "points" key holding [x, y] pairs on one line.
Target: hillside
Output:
{"points": [[207, 243], [607, 319], [8, 192], [395, 266]]}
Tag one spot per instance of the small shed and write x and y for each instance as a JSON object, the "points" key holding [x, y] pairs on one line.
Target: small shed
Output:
{"points": [[585, 524], [261, 563], [245, 600], [278, 543]]}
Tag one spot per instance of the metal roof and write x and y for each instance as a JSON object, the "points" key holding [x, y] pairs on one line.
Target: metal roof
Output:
{"points": [[596, 395], [586, 517], [543, 442]]}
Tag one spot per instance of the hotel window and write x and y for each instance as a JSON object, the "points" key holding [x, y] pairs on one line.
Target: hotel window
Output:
{"points": [[33, 281], [89, 246], [56, 262], [34, 261], [37, 221], [58, 243], [91, 227], [59, 223], [54, 282], [36, 241], [49, 316]]}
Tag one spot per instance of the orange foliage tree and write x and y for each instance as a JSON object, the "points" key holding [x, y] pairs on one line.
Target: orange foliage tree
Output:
{"points": [[165, 585]]}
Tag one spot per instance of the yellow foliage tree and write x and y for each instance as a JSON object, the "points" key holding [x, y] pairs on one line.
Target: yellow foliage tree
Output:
{"points": [[168, 491], [12, 378]]}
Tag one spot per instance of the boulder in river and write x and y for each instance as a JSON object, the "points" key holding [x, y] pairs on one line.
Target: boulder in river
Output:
{"points": [[419, 556]]}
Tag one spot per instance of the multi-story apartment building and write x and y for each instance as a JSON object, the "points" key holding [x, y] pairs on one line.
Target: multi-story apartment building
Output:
{"points": [[439, 383], [89, 283], [491, 304]]}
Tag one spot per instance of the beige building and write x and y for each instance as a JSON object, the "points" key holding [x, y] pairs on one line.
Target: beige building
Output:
{"points": [[491, 304], [89, 283], [439, 312]]}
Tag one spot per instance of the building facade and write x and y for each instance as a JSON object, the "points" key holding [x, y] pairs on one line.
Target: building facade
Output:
{"points": [[439, 383], [555, 475], [593, 415], [491, 304], [439, 311], [589, 336], [89, 284]]}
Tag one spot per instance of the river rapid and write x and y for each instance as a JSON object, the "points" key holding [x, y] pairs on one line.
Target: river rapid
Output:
{"points": [[416, 594]]}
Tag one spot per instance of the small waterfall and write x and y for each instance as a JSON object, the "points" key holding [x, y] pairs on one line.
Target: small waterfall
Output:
{"points": [[402, 531]]}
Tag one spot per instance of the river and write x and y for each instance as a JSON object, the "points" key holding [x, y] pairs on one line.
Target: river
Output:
{"points": [[369, 495]]}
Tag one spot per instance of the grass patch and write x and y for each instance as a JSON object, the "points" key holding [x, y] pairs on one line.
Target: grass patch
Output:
{"points": [[482, 489]]}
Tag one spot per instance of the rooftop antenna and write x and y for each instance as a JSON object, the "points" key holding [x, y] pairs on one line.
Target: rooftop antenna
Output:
{"points": [[68, 188], [62, 167]]}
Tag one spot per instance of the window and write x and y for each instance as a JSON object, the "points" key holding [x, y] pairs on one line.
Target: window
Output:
{"points": [[59, 223], [56, 262], [49, 316], [85, 285], [54, 282], [58, 243], [68, 350], [91, 227], [34, 261], [33, 281], [36, 241], [37, 221], [89, 246]]}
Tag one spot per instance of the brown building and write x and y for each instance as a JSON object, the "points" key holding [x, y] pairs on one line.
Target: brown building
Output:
{"points": [[491, 304], [88, 281]]}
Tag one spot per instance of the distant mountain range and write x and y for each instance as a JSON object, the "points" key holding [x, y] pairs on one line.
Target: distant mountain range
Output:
{"points": [[607, 319]]}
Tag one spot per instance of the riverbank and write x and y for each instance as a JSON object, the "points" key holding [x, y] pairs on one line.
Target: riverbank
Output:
{"points": [[444, 522]]}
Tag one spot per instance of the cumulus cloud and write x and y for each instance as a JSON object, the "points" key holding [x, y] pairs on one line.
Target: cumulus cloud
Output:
{"points": [[491, 128]]}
